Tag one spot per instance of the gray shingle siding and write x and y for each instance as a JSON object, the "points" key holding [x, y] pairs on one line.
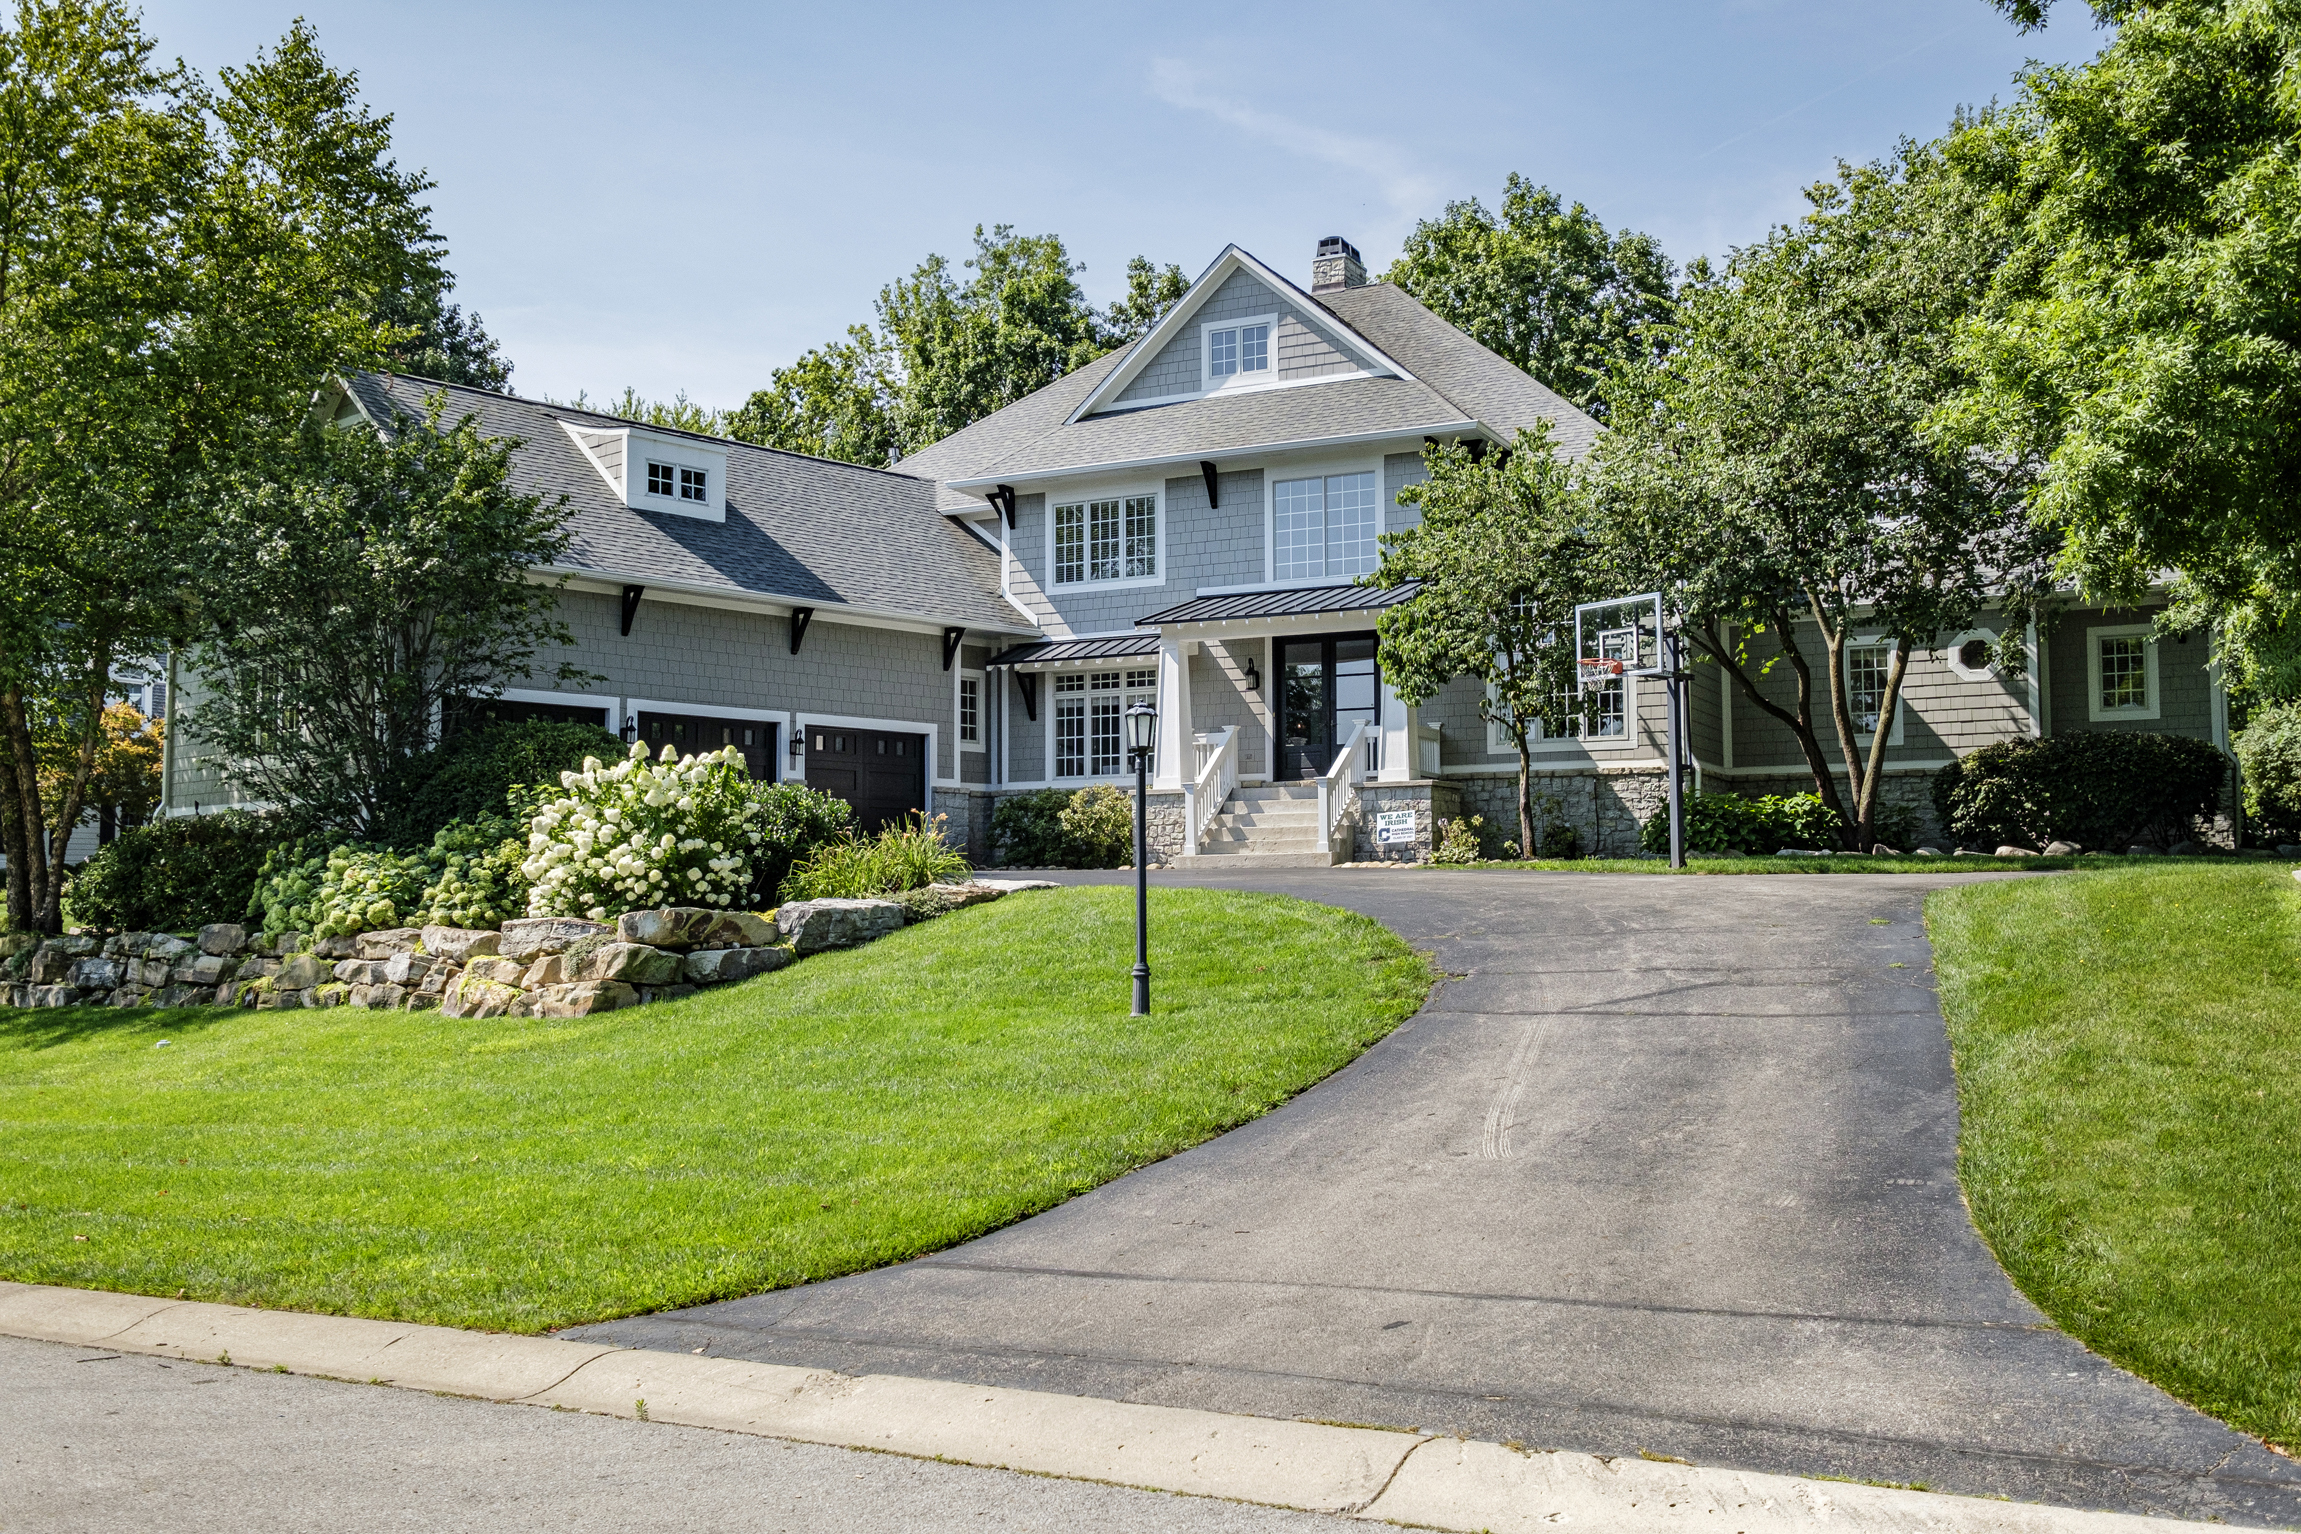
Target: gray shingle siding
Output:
{"points": [[2185, 688], [1218, 698], [1305, 346]]}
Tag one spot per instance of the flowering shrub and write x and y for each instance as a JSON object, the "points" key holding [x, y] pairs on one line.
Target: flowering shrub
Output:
{"points": [[678, 831], [347, 889], [479, 882]]}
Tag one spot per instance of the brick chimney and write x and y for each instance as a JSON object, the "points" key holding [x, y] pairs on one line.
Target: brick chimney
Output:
{"points": [[1336, 266]]}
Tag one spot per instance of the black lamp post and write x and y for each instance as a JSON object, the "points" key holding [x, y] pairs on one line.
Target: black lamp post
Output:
{"points": [[1142, 741]]}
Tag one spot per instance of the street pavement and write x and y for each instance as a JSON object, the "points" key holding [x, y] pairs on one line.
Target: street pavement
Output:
{"points": [[1669, 1165], [96, 1442]]}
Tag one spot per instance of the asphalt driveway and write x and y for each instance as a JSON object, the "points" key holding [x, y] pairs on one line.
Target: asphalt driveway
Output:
{"points": [[1669, 1166]]}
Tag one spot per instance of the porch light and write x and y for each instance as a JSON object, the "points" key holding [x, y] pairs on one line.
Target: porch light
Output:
{"points": [[630, 728], [1142, 740], [1253, 676]]}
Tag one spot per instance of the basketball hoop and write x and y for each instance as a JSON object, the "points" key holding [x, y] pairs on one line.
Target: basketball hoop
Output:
{"points": [[1597, 674]]}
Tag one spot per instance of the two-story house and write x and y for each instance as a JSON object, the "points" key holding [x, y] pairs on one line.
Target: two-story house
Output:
{"points": [[1184, 521]]}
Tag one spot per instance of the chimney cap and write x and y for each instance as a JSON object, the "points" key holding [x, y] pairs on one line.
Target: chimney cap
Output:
{"points": [[1336, 245]]}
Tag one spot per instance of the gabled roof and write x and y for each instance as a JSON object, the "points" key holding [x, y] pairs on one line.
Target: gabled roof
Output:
{"points": [[811, 532], [1424, 378]]}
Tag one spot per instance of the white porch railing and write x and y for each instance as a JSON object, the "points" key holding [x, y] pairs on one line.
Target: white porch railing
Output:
{"points": [[1338, 785], [1427, 737], [1204, 796]]}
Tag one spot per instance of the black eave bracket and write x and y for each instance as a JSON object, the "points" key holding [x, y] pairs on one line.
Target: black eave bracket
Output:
{"points": [[1003, 499], [1206, 470], [1028, 681], [630, 607], [800, 618], [951, 638]]}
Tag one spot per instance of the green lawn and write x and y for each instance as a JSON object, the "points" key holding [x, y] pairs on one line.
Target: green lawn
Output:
{"points": [[1836, 863], [2128, 1053], [854, 1110]]}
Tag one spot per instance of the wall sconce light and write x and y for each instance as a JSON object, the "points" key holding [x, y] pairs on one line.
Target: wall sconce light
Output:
{"points": [[1253, 676], [798, 746], [630, 728]]}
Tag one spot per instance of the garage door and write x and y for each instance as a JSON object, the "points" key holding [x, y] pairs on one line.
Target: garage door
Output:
{"points": [[693, 734], [883, 775]]}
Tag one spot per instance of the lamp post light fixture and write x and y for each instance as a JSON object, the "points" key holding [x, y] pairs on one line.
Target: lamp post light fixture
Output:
{"points": [[1142, 742]]}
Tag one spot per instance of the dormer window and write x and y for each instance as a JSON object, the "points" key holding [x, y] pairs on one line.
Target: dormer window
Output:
{"points": [[656, 472], [659, 479], [676, 481], [692, 484], [1238, 351]]}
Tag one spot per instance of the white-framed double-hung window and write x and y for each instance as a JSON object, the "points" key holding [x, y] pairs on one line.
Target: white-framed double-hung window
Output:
{"points": [[2121, 673], [970, 710], [1237, 351], [1868, 662], [1109, 538], [1325, 526], [1090, 730]]}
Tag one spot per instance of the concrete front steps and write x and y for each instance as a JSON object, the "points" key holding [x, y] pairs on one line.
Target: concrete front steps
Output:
{"points": [[1271, 825]]}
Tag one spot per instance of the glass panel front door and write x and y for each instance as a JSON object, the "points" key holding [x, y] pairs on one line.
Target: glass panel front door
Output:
{"points": [[1326, 686]]}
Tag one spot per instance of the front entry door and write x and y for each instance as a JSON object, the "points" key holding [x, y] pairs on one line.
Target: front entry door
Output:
{"points": [[1326, 686], [884, 776], [694, 734]]}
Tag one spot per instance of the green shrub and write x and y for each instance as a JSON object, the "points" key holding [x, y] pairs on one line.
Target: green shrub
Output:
{"points": [[2103, 790], [2269, 753], [904, 857], [678, 831], [1100, 825], [471, 773], [1458, 840], [792, 821], [1755, 827], [1064, 828], [477, 878], [335, 891], [1027, 830], [177, 874]]}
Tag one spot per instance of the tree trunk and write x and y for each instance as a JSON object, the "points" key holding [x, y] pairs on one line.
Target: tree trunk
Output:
{"points": [[28, 845], [1873, 773], [12, 842], [1842, 716], [1529, 843], [50, 915], [1800, 722]]}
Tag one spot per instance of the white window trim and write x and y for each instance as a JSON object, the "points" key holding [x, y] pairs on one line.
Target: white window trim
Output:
{"points": [[1242, 380], [1901, 702], [1126, 663], [1054, 589], [780, 718], [1987, 671], [2147, 633], [1314, 470], [803, 721], [982, 710], [1498, 742], [612, 702]]}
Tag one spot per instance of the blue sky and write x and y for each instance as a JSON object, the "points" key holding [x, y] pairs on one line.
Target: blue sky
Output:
{"points": [[683, 197]]}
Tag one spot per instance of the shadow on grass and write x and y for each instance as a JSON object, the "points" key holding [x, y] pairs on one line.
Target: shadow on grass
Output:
{"points": [[54, 1027]]}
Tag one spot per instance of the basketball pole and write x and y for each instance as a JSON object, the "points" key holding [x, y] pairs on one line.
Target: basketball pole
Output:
{"points": [[1677, 682]]}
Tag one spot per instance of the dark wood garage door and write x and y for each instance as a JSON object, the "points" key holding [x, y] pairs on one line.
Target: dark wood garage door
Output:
{"points": [[695, 733], [883, 776]]}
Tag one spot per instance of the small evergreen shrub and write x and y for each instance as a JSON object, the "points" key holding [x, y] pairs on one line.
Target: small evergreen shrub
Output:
{"points": [[2269, 753], [1027, 830], [1754, 827], [1100, 825], [471, 773], [678, 831], [910, 856], [175, 875], [2103, 790], [792, 821]]}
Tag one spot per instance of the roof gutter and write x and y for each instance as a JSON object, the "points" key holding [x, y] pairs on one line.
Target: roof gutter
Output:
{"points": [[1192, 458], [781, 606]]}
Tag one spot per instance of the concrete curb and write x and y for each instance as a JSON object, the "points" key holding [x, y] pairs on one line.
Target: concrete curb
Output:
{"points": [[1441, 1483]]}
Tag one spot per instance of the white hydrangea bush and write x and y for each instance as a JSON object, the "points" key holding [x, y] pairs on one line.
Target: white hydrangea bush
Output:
{"points": [[678, 831]]}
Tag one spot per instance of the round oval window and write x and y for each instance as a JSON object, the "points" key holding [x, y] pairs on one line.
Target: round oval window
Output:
{"points": [[1973, 654]]}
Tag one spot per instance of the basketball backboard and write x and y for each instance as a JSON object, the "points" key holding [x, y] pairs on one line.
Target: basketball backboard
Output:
{"points": [[1627, 630]]}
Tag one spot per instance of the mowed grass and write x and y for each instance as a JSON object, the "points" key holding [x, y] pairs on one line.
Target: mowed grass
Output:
{"points": [[853, 1110], [1834, 863], [2128, 1050]]}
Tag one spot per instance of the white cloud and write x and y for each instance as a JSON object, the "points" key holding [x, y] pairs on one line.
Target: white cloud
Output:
{"points": [[1405, 184]]}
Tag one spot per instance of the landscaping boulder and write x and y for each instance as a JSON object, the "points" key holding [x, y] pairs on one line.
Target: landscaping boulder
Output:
{"points": [[812, 926], [496, 971], [458, 945], [166, 945], [205, 969], [223, 938], [407, 968], [548, 970], [332, 994], [14, 943], [649, 993], [740, 929], [148, 972], [714, 966], [358, 971], [631, 963], [75, 945], [50, 996], [2062, 849], [532, 937], [381, 996], [95, 974], [973, 892], [578, 998], [1009, 886], [472, 996], [389, 941], [2015, 852], [186, 995], [299, 972], [344, 947], [679, 927]]}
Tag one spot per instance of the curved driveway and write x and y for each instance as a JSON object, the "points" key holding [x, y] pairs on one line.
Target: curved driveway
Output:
{"points": [[1670, 1166]]}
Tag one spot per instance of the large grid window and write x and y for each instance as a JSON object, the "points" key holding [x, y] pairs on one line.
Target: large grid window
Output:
{"points": [[1110, 540], [1235, 350], [1326, 528], [1866, 668], [2125, 672], [1090, 722]]}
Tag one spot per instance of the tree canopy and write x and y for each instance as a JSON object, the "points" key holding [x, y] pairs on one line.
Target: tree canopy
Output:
{"points": [[1544, 285], [2142, 348]]}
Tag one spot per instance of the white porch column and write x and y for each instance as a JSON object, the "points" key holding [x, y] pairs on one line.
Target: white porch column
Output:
{"points": [[1398, 743], [1177, 753]]}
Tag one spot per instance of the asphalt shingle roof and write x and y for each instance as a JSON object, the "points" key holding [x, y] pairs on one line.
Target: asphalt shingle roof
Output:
{"points": [[811, 531]]}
